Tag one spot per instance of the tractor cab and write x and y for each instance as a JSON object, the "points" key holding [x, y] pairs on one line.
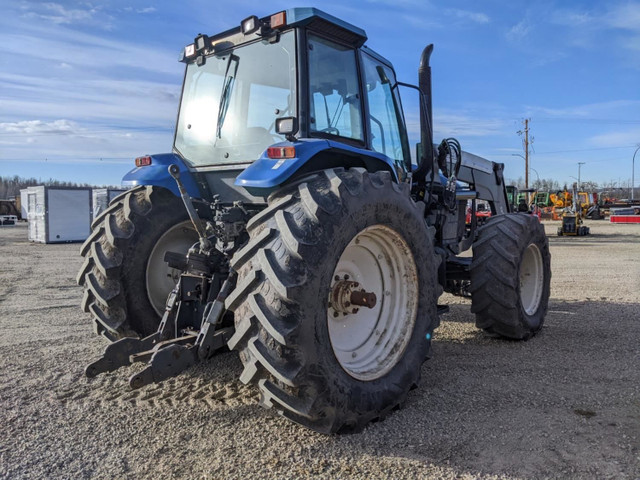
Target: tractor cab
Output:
{"points": [[286, 91]]}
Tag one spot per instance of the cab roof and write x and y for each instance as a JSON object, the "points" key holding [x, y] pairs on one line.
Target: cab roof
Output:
{"points": [[322, 21]]}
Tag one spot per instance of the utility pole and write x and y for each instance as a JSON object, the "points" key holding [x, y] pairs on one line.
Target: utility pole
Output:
{"points": [[633, 168], [526, 152], [579, 165]]}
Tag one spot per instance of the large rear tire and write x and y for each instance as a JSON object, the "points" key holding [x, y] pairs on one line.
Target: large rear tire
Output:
{"points": [[317, 359], [511, 276], [126, 281]]}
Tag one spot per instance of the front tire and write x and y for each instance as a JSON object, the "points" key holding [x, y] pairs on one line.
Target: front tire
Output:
{"points": [[314, 360], [126, 281], [511, 276]]}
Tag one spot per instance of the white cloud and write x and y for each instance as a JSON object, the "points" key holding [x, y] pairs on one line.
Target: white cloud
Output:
{"points": [[613, 110], [448, 124], [632, 43], [86, 51], [519, 31], [624, 16], [146, 10], [96, 100], [617, 138], [57, 13], [476, 17], [618, 23], [67, 142], [572, 18], [38, 127]]}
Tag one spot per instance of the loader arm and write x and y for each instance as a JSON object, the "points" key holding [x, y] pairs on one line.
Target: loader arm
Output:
{"points": [[487, 179]]}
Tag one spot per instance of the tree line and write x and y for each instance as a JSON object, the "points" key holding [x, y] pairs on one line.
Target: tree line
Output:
{"points": [[613, 188]]}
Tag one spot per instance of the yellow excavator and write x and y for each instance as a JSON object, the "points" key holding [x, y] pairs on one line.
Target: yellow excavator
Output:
{"points": [[572, 217]]}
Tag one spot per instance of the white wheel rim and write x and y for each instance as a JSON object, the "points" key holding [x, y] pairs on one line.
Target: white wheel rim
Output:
{"points": [[160, 279], [531, 279], [370, 342]]}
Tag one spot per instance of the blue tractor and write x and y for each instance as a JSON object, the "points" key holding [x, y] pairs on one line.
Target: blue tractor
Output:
{"points": [[289, 224]]}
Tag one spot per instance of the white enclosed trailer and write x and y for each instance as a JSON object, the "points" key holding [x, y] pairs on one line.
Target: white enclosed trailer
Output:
{"points": [[58, 214], [102, 198], [23, 203]]}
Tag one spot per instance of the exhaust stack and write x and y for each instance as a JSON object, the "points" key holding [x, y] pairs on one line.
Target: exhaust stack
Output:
{"points": [[426, 115]]}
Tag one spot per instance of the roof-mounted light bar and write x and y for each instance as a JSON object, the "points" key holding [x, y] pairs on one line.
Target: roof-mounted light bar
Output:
{"points": [[203, 45]]}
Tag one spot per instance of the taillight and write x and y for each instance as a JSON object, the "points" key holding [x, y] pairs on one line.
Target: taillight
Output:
{"points": [[281, 152], [143, 161]]}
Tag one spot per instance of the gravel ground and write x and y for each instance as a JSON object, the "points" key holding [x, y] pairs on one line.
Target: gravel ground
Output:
{"points": [[565, 404]]}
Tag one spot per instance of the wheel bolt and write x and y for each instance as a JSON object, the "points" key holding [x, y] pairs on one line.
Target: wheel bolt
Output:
{"points": [[346, 276], [336, 278], [355, 310], [335, 314]]}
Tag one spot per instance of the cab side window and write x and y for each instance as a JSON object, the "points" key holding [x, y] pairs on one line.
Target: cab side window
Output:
{"points": [[385, 120], [335, 103]]}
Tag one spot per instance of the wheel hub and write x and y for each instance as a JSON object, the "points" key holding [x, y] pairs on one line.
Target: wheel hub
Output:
{"points": [[346, 296], [531, 279], [160, 278], [376, 270]]}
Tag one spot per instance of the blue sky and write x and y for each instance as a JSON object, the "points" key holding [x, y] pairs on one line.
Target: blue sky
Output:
{"points": [[87, 87]]}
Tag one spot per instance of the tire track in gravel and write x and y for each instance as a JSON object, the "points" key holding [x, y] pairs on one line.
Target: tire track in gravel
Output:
{"points": [[171, 393], [206, 384]]}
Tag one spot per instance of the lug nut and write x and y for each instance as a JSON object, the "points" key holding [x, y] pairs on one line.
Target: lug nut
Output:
{"points": [[335, 314]]}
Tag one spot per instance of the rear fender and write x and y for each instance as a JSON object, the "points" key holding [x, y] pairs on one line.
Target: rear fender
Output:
{"points": [[267, 174], [157, 175]]}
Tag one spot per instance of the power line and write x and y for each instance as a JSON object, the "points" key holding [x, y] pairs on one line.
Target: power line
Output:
{"points": [[571, 151], [613, 121], [582, 150]]}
